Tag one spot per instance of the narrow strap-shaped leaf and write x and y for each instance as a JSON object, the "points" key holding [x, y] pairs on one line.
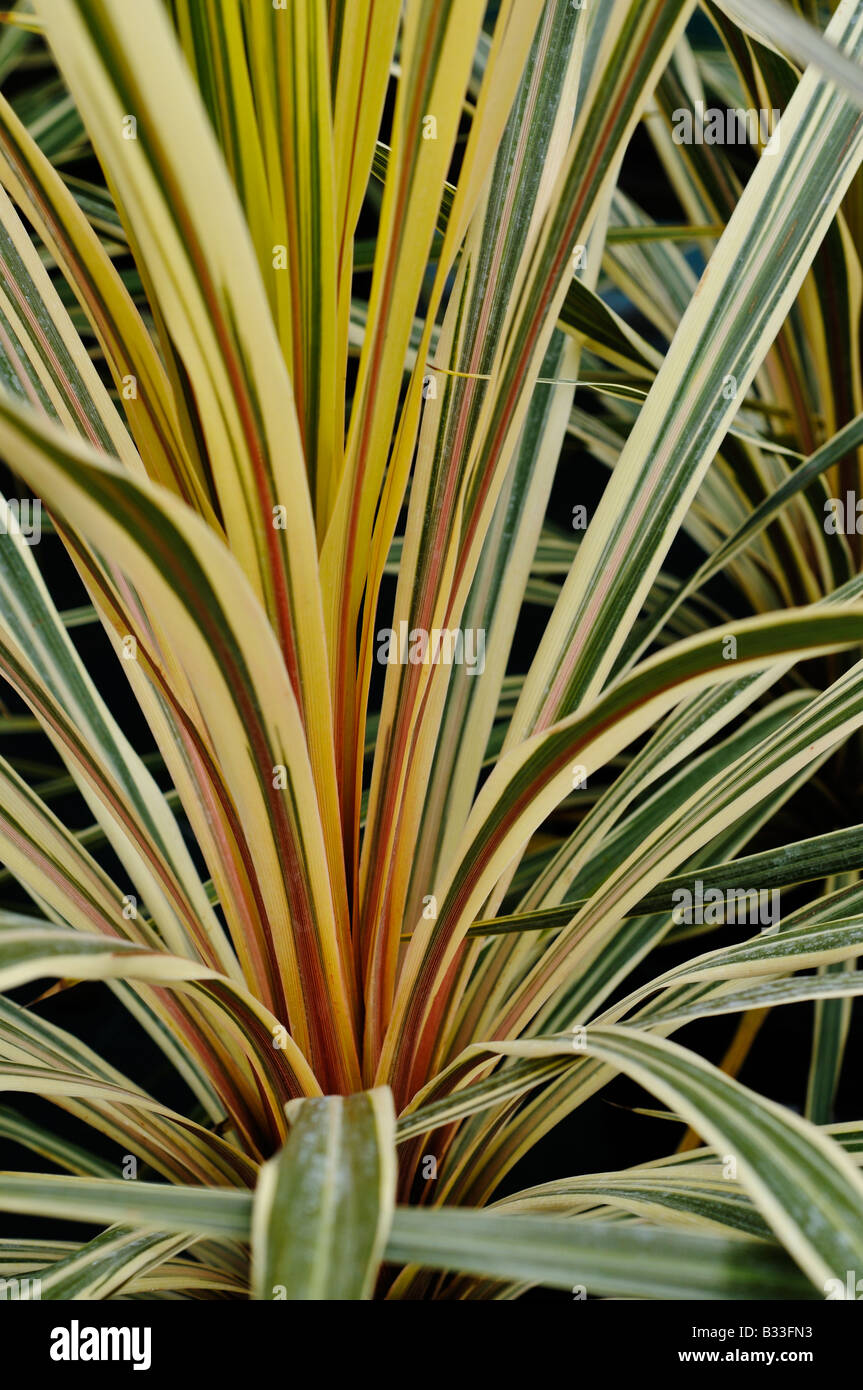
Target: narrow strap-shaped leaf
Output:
{"points": [[499, 247], [777, 24], [634, 1262], [502, 821], [289, 55], [222, 1213], [42, 357], [845, 984], [829, 1039], [722, 340], [40, 1052], [31, 952], [362, 39], [324, 1204], [38, 658], [846, 439], [835, 852], [700, 1198], [269, 774], [58, 1150], [102, 1267], [810, 1192], [435, 42], [48, 204], [593, 1256], [190, 239]]}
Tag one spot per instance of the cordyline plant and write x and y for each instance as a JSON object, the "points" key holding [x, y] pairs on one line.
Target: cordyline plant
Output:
{"points": [[294, 299]]}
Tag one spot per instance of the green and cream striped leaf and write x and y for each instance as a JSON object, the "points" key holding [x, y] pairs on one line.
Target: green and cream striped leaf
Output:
{"points": [[42, 357], [832, 1020], [634, 1262], [216, 627], [104, 1266], [835, 852], [808, 735], [130, 354], [807, 1188], [801, 479], [777, 25], [38, 659], [713, 359], [436, 47], [604, 841], [324, 1205], [776, 951], [700, 1199], [193, 246], [220, 1213], [53, 1147], [499, 247], [526, 786], [767, 994], [29, 952], [595, 1258]]}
